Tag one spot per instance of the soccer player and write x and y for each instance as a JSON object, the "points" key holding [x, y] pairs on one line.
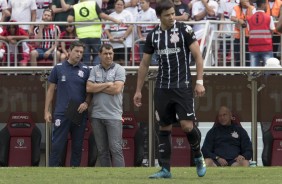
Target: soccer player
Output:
{"points": [[173, 41]]}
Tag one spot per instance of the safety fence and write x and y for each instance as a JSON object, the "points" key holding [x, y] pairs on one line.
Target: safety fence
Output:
{"points": [[217, 46]]}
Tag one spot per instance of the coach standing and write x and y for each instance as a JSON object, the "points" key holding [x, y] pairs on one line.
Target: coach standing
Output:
{"points": [[68, 79]]}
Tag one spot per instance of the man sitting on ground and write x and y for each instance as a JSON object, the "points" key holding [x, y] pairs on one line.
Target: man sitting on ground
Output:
{"points": [[227, 143]]}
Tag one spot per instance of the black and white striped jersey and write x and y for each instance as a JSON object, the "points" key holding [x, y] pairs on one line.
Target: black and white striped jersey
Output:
{"points": [[172, 49]]}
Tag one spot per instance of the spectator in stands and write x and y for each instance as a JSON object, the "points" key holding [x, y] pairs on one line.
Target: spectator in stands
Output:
{"points": [[204, 10], [68, 80], [23, 11], [61, 13], [4, 13], [279, 23], [45, 49], [147, 14], [224, 11], [260, 27], [273, 9], [227, 143], [12, 34], [90, 35], [108, 6], [120, 33], [182, 12], [240, 14], [131, 6], [69, 33], [173, 41], [106, 83], [41, 5]]}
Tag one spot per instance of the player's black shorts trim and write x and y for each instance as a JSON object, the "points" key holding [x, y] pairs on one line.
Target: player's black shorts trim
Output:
{"points": [[173, 105]]}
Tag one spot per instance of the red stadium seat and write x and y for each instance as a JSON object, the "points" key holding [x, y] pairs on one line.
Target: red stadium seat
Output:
{"points": [[276, 131], [133, 141], [181, 154], [20, 141], [89, 149]]}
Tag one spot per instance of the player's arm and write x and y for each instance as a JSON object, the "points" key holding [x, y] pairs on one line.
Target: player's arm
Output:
{"points": [[142, 73], [195, 50], [143, 70]]}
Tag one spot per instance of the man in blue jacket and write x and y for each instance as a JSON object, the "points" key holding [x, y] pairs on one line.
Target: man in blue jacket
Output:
{"points": [[227, 143]]}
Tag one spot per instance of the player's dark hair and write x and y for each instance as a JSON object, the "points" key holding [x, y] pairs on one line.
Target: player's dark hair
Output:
{"points": [[162, 6]]}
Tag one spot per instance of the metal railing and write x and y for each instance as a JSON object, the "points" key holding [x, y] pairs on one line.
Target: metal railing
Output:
{"points": [[205, 45]]}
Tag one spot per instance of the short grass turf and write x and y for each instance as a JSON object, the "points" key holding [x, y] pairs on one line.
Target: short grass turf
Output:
{"points": [[64, 175]]}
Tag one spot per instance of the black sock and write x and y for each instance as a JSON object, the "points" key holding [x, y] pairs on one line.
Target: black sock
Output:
{"points": [[164, 149], [194, 138]]}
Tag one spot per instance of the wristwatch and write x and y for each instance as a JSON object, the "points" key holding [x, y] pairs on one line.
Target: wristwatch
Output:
{"points": [[217, 157]]}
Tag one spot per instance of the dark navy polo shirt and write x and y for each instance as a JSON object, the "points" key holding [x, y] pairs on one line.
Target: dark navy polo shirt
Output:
{"points": [[71, 84]]}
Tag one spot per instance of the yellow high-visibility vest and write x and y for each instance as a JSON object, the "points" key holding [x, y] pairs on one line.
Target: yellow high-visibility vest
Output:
{"points": [[86, 12]]}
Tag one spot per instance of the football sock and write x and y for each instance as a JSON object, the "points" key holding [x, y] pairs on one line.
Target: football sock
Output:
{"points": [[164, 149], [194, 138]]}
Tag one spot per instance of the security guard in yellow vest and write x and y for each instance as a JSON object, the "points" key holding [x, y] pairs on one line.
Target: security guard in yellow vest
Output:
{"points": [[89, 34]]}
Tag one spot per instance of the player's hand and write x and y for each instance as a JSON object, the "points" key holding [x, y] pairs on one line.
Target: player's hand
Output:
{"points": [[199, 90], [137, 99]]}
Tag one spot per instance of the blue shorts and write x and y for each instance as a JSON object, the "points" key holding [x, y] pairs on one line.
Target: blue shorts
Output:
{"points": [[41, 52]]}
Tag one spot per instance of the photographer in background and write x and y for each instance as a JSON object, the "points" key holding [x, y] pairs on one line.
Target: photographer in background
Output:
{"points": [[240, 14]]}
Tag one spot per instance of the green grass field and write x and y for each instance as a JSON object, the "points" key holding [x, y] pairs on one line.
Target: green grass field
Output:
{"points": [[42, 175]]}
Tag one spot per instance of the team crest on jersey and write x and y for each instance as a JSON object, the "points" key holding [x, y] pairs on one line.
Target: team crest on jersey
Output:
{"points": [[189, 30], [235, 135], [158, 32], [80, 73], [57, 122], [174, 38], [63, 78]]}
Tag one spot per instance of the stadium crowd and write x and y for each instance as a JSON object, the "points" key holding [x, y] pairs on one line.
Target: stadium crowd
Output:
{"points": [[129, 38]]}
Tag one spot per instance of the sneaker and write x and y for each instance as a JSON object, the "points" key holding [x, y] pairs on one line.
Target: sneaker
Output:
{"points": [[201, 166], [164, 173]]}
